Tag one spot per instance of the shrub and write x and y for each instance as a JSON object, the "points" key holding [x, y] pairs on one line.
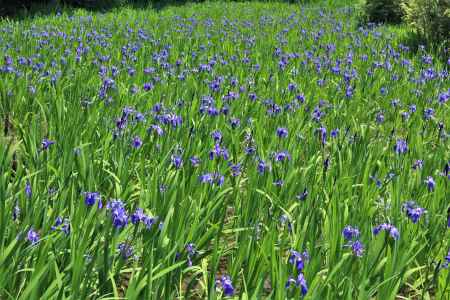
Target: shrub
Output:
{"points": [[430, 19], [382, 11]]}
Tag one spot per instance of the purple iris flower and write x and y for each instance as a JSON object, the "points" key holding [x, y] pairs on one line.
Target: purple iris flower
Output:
{"points": [[418, 164], [33, 236], [282, 156], [91, 197], [191, 252], [263, 167], [118, 213], [350, 232], [195, 161], [28, 190], [401, 146], [431, 184], [46, 143], [137, 142], [137, 216], [227, 286], [177, 161], [357, 248], [413, 211], [282, 132]]}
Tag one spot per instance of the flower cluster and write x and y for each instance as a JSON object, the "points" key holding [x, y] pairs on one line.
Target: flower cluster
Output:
{"points": [[118, 212], [389, 228], [351, 235], [298, 260], [413, 211]]}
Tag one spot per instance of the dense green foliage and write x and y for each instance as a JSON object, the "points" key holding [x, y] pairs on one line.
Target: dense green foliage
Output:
{"points": [[381, 11], [14, 7], [233, 135], [430, 19]]}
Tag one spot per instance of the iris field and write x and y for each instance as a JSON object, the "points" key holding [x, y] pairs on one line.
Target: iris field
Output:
{"points": [[222, 150]]}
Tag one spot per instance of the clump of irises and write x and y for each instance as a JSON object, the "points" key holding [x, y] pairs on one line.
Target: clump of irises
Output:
{"points": [[413, 211], [388, 228], [119, 215], [351, 235], [298, 260]]}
